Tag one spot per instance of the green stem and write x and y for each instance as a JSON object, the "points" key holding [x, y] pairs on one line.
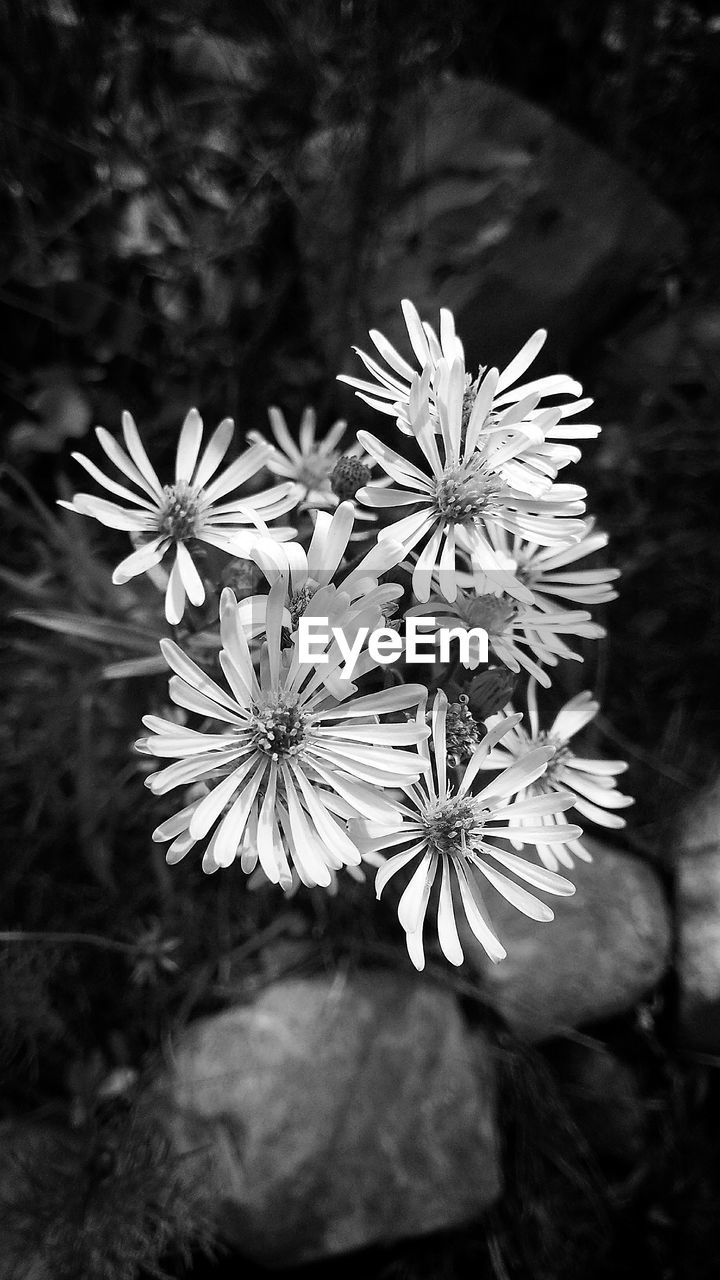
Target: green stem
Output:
{"points": [[89, 939]]}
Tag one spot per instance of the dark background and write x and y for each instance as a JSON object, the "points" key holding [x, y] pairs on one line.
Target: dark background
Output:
{"points": [[163, 172]]}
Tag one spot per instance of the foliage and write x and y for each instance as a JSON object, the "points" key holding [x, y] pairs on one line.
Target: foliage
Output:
{"points": [[104, 1201]]}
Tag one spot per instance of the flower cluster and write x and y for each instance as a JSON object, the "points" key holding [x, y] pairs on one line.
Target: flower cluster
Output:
{"points": [[300, 774]]}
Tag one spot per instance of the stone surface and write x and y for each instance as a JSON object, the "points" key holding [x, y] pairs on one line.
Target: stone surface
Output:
{"points": [[491, 208], [607, 947], [698, 912], [337, 1113], [698, 826]]}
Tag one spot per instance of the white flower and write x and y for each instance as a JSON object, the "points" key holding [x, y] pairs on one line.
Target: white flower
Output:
{"points": [[390, 393], [550, 572], [289, 763], [519, 635], [318, 567], [451, 830], [258, 880], [472, 481], [591, 782], [320, 475], [161, 517]]}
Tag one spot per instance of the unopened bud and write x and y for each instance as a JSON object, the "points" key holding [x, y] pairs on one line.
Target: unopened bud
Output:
{"points": [[348, 476], [491, 691]]}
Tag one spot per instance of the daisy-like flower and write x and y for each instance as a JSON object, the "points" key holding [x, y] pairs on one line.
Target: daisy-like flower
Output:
{"points": [[551, 572], [519, 635], [288, 764], [321, 476], [357, 872], [318, 567], [472, 480], [164, 517], [591, 782], [447, 829], [390, 392]]}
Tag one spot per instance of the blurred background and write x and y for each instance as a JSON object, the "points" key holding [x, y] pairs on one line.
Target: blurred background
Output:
{"points": [[210, 204]]}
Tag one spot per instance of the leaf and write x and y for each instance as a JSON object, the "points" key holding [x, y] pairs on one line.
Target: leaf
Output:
{"points": [[135, 667], [104, 631]]}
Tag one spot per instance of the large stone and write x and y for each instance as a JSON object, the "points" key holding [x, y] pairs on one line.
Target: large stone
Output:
{"points": [[490, 207], [608, 945], [336, 1113], [698, 911]]}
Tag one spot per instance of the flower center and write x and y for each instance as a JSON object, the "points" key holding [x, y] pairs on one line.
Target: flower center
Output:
{"points": [[493, 613], [179, 516], [562, 753], [452, 825], [467, 492], [299, 602], [315, 469], [280, 729]]}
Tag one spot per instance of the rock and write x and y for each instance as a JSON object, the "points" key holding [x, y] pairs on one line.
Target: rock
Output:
{"points": [[698, 913], [337, 1113], [490, 207], [698, 828], [607, 947]]}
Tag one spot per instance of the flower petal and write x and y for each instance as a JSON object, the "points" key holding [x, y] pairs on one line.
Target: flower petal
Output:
{"points": [[175, 595], [119, 458], [192, 582], [110, 514], [214, 453], [141, 560], [522, 360], [188, 446], [139, 456], [446, 924], [118, 489], [476, 914], [411, 907], [516, 895]]}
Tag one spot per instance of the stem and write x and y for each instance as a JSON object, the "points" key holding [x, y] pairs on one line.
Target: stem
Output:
{"points": [[90, 939]]}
